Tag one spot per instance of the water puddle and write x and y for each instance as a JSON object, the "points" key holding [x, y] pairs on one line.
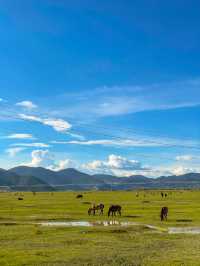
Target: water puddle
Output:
{"points": [[87, 224], [170, 230], [184, 230], [99, 223]]}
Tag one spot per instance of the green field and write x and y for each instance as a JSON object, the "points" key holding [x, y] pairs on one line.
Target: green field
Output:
{"points": [[24, 242]]}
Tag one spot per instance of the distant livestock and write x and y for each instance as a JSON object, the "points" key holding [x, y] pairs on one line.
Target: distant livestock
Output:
{"points": [[163, 213], [20, 198], [114, 209], [79, 196]]}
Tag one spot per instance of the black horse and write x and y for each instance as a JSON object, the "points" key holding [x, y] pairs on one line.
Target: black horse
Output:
{"points": [[163, 213], [114, 209]]}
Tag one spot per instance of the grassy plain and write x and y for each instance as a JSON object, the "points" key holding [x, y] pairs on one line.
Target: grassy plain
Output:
{"points": [[24, 242]]}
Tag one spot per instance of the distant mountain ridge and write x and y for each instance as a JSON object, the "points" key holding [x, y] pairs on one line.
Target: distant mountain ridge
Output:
{"points": [[42, 179], [13, 181]]}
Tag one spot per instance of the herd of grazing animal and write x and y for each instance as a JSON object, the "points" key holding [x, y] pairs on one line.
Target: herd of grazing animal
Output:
{"points": [[116, 209]]}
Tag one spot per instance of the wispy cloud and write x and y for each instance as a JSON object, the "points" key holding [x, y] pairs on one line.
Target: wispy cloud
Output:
{"points": [[14, 151], [27, 104], [59, 125], [139, 141], [35, 145], [20, 136], [123, 100], [187, 157]]}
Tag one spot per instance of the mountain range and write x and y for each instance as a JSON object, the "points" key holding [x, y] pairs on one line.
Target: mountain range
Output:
{"points": [[26, 178]]}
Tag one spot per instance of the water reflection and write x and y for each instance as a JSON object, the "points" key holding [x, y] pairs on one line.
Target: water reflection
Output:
{"points": [[88, 224], [184, 230], [170, 230]]}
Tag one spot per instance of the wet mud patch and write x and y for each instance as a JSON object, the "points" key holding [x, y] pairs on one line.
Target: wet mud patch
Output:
{"points": [[8, 224]]}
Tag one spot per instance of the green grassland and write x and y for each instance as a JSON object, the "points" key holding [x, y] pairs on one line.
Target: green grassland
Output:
{"points": [[24, 242]]}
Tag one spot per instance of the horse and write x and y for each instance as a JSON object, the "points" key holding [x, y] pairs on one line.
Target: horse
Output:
{"points": [[20, 198], [100, 208], [114, 209], [94, 208], [163, 213], [79, 196]]}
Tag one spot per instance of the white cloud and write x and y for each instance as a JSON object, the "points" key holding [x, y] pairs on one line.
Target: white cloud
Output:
{"points": [[35, 145], [184, 157], [59, 125], [14, 151], [20, 136], [40, 158], [62, 164], [181, 170], [44, 158], [114, 164], [187, 157], [27, 104]]}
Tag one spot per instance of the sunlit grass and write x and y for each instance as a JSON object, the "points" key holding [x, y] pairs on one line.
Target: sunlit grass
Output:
{"points": [[26, 243]]}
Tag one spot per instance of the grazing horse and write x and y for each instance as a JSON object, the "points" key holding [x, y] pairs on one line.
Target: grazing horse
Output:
{"points": [[114, 209], [95, 208], [163, 213], [79, 196], [20, 198]]}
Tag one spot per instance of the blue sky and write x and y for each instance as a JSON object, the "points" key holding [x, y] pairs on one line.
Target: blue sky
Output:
{"points": [[103, 86]]}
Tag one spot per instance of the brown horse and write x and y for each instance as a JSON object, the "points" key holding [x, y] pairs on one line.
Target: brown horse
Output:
{"points": [[99, 208], [114, 209], [163, 213]]}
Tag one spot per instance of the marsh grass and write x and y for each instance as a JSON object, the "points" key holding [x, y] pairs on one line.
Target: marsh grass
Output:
{"points": [[24, 243]]}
